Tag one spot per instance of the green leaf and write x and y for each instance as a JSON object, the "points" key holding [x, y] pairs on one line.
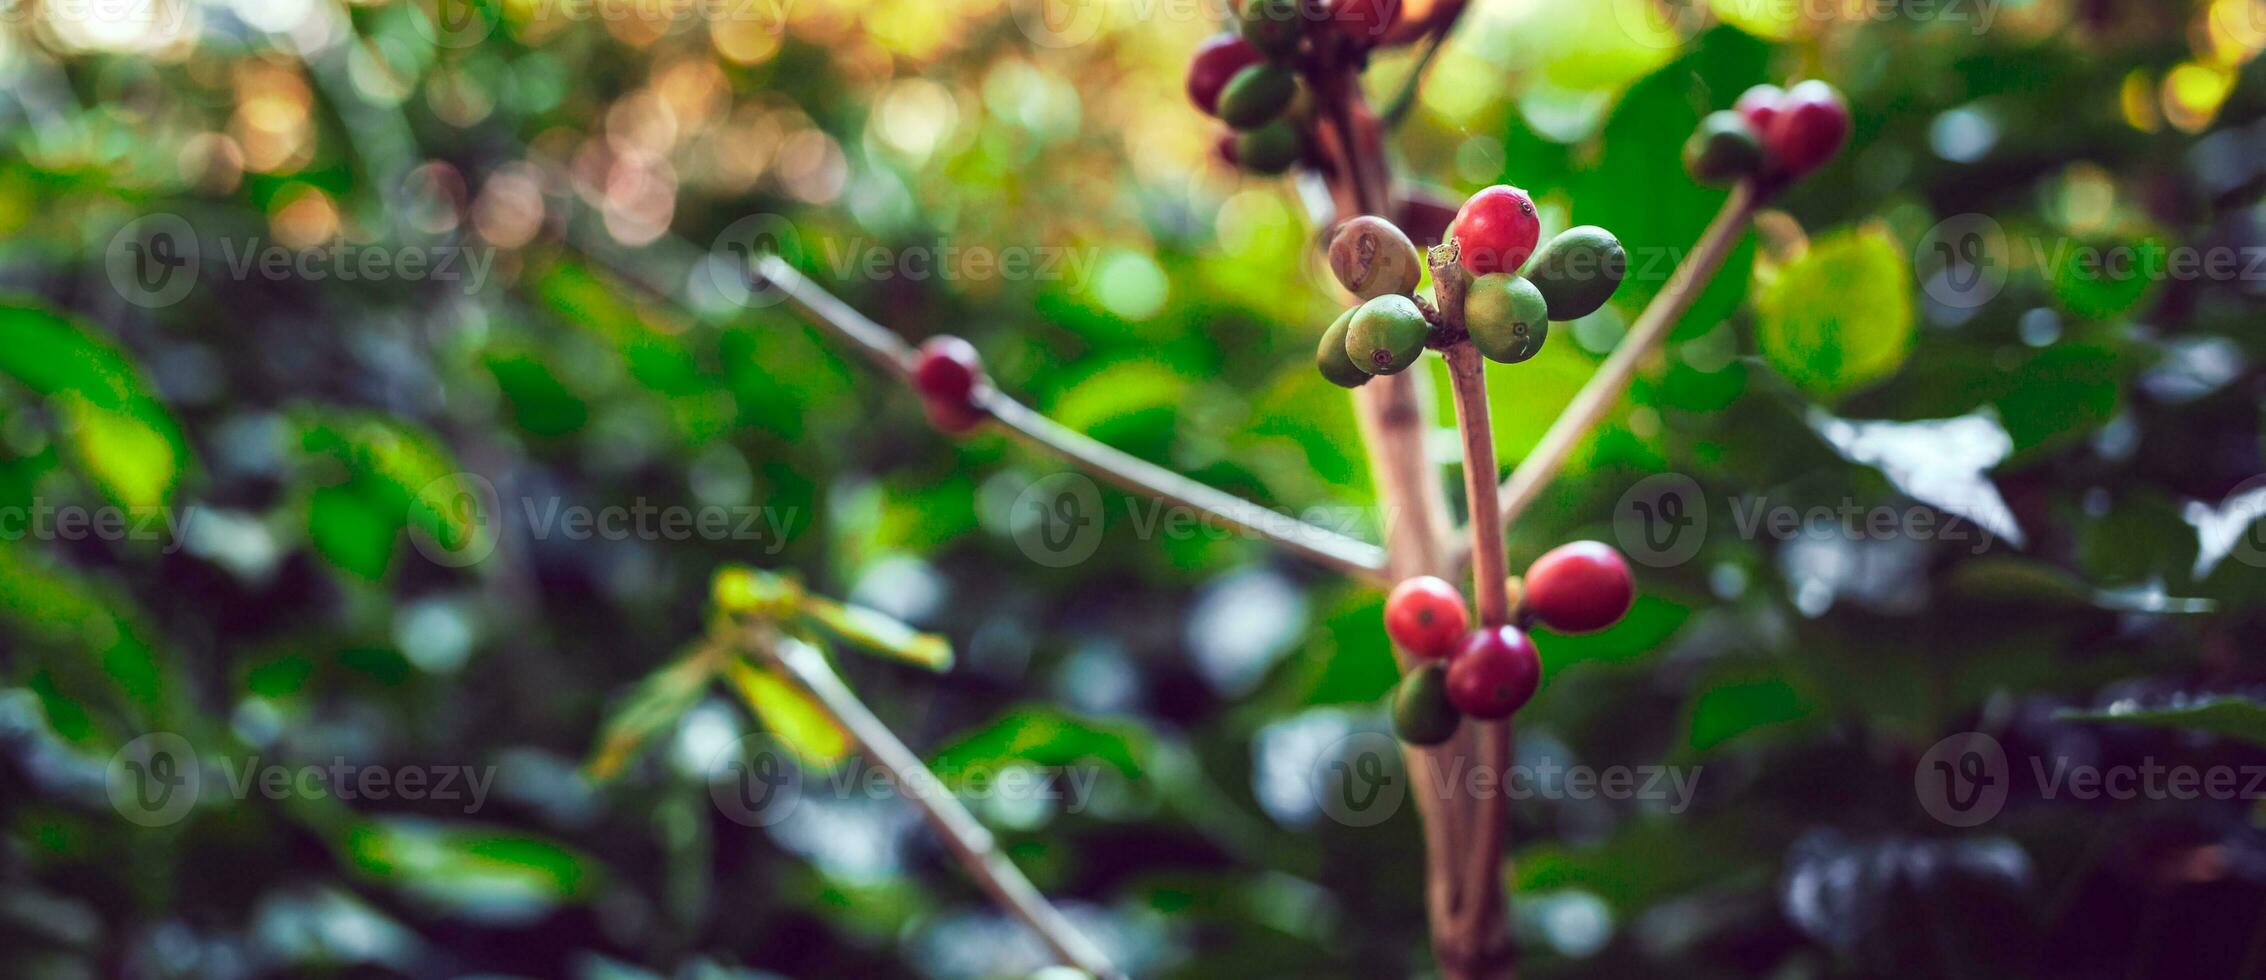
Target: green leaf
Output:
{"points": [[114, 427], [1044, 736], [395, 476], [1840, 317], [653, 706], [877, 633], [790, 714], [469, 869], [2228, 716]]}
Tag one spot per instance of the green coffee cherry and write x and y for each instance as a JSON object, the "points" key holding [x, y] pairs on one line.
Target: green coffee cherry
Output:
{"points": [[1272, 26], [1256, 95], [1372, 258], [1507, 317], [1336, 365], [1724, 149], [1422, 714], [1386, 335], [1578, 271], [1269, 149]]}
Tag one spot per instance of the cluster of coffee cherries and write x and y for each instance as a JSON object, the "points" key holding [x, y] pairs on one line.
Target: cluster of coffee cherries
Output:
{"points": [[1507, 307], [1249, 79], [1769, 133], [1490, 672]]}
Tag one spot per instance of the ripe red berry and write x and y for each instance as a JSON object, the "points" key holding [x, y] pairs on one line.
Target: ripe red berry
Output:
{"points": [[1808, 129], [947, 374], [1760, 104], [1216, 61], [1364, 21], [1494, 672], [1426, 617], [1579, 587], [1497, 229]]}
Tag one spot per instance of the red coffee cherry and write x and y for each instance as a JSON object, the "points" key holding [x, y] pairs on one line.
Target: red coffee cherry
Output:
{"points": [[1494, 672], [1497, 228], [1579, 587], [1808, 129], [1760, 104], [947, 373], [1426, 617], [1216, 61]]}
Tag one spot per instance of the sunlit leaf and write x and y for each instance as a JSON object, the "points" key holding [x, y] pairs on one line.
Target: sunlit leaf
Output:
{"points": [[789, 713], [1940, 462], [1840, 317], [870, 630], [116, 429], [1045, 736], [653, 706]]}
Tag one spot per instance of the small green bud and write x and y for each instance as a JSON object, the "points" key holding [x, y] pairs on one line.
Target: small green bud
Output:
{"points": [[1507, 317], [1386, 335]]}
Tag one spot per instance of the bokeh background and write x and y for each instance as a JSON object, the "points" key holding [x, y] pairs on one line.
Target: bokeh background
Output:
{"points": [[1916, 330]]}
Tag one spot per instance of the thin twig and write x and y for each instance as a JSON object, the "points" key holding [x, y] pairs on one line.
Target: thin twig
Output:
{"points": [[1129, 473], [1604, 389], [967, 839]]}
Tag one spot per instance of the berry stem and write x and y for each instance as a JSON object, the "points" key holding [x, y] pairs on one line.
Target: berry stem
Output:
{"points": [[1123, 470], [970, 843], [1604, 389], [1490, 582]]}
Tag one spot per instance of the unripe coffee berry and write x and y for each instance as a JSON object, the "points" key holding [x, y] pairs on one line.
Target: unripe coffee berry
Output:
{"points": [[1578, 271], [1724, 149], [1507, 317], [1422, 713], [1270, 149], [1273, 26], [1371, 258], [1217, 60], [1760, 105], [1808, 129], [947, 372], [1386, 335], [1256, 95], [1496, 230], [1494, 672], [1426, 617], [1579, 587], [1331, 357]]}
